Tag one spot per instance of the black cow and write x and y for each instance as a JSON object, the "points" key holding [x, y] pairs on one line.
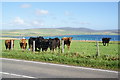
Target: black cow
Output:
{"points": [[50, 43], [37, 43], [54, 43], [45, 43], [105, 41]]}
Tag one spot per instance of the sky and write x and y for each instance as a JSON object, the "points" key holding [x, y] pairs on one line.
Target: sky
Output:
{"points": [[27, 15]]}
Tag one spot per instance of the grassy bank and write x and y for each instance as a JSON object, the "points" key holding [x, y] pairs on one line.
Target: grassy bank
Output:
{"points": [[55, 31], [80, 54]]}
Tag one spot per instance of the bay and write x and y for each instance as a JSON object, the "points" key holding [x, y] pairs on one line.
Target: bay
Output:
{"points": [[86, 37], [76, 37]]}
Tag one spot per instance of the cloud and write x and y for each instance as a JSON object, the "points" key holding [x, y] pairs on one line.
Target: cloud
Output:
{"points": [[84, 23], [67, 13], [25, 6], [21, 23], [41, 12], [18, 20], [37, 23], [81, 23]]}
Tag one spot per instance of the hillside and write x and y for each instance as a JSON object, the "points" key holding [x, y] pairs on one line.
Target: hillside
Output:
{"points": [[56, 31]]}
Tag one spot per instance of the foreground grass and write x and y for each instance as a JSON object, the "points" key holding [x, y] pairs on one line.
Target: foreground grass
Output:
{"points": [[80, 54]]}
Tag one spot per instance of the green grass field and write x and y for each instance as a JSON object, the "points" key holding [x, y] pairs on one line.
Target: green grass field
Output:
{"points": [[50, 32], [80, 54]]}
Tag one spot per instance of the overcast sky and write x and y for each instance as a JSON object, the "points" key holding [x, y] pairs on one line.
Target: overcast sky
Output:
{"points": [[26, 15]]}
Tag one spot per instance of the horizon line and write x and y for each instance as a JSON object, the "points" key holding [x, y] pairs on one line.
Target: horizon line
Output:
{"points": [[60, 28], [60, 1]]}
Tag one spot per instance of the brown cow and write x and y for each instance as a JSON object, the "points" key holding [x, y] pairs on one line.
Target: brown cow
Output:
{"points": [[23, 44], [9, 44], [67, 41]]}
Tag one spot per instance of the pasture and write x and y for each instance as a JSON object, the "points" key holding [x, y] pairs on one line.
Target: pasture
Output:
{"points": [[81, 53]]}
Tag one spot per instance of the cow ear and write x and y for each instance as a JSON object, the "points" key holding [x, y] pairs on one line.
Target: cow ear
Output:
{"points": [[70, 37]]}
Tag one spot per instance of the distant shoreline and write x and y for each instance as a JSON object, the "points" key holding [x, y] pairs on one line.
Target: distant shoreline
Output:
{"points": [[75, 37], [8, 38]]}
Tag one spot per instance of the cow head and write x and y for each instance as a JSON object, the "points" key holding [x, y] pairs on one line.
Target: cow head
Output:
{"points": [[70, 38]]}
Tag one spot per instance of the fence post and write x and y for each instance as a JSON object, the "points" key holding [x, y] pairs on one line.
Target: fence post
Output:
{"points": [[97, 53], [33, 46], [11, 44], [62, 46]]}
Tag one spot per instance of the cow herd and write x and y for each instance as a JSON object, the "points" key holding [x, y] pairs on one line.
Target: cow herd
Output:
{"points": [[44, 44], [41, 44]]}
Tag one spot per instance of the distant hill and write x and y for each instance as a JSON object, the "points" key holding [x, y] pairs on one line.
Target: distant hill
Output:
{"points": [[78, 29], [88, 30], [57, 31]]}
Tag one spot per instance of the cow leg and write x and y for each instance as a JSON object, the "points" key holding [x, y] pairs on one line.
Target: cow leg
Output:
{"points": [[13, 45], [20, 45], [6, 46], [43, 49], [36, 49], [53, 49], [9, 48], [58, 46], [39, 49], [104, 44], [68, 47], [46, 49], [29, 47], [58, 49], [50, 49], [25, 45], [107, 44]]}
